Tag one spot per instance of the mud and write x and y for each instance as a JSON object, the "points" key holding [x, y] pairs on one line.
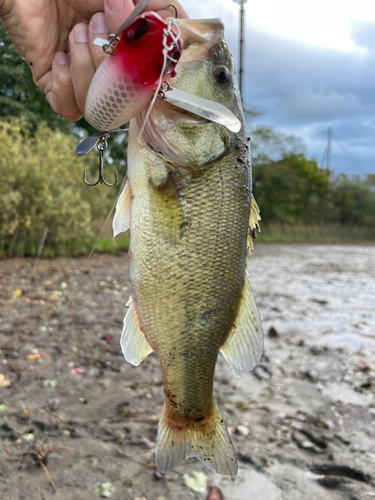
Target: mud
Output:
{"points": [[302, 423]]}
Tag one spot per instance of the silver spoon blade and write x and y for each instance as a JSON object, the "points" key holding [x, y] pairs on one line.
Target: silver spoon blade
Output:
{"points": [[88, 144], [210, 110]]}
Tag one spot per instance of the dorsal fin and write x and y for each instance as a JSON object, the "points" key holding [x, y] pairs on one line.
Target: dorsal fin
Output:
{"points": [[253, 223]]}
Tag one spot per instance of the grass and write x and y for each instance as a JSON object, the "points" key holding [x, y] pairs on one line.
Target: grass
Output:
{"points": [[335, 233], [271, 233], [106, 244]]}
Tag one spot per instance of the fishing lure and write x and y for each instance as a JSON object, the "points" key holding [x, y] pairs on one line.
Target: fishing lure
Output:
{"points": [[143, 56]]}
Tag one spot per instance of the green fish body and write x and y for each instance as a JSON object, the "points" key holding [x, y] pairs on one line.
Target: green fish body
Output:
{"points": [[189, 204]]}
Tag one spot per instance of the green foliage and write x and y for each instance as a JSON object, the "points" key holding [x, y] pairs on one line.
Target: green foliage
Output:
{"points": [[285, 188], [294, 192], [351, 201], [268, 146], [19, 96], [43, 200]]}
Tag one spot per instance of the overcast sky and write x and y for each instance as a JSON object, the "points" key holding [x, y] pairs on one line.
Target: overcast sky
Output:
{"points": [[309, 65]]}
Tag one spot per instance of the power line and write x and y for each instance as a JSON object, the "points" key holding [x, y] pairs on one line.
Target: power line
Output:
{"points": [[242, 42], [349, 155]]}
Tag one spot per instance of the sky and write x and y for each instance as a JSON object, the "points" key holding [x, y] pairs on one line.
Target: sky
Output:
{"points": [[309, 65]]}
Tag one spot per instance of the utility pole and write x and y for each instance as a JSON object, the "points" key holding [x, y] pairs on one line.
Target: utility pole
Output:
{"points": [[241, 58], [329, 147]]}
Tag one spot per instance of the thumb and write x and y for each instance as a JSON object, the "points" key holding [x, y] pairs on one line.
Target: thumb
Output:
{"points": [[116, 11]]}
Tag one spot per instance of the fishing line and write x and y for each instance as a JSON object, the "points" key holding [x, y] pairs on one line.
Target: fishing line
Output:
{"points": [[160, 82], [62, 316], [167, 32], [173, 6]]}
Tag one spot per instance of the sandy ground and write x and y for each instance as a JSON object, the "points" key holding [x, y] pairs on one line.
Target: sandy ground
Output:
{"points": [[302, 422]]}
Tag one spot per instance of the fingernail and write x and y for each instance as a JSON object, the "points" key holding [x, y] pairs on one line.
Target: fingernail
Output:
{"points": [[61, 58], [81, 33], [115, 5], [98, 23]]}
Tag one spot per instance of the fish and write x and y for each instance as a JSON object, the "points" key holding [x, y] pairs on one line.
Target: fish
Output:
{"points": [[188, 203], [124, 83]]}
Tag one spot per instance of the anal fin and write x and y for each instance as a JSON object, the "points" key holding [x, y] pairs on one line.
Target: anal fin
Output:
{"points": [[134, 344], [244, 345], [121, 220]]}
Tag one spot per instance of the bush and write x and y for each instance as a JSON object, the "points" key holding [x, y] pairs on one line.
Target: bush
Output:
{"points": [[43, 196]]}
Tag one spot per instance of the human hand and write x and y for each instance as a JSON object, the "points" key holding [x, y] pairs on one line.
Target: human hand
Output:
{"points": [[55, 37]]}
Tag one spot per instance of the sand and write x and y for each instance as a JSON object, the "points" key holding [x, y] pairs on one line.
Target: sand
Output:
{"points": [[302, 423]]}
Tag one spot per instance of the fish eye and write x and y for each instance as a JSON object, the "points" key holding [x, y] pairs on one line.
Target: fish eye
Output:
{"points": [[222, 75], [137, 32]]}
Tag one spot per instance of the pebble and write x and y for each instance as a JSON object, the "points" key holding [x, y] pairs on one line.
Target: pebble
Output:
{"points": [[53, 403], [242, 430]]}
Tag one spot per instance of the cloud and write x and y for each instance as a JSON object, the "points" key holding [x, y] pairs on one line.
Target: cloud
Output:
{"points": [[303, 89], [322, 105], [363, 34]]}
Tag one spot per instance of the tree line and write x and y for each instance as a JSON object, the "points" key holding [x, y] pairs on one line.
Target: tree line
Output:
{"points": [[46, 209]]}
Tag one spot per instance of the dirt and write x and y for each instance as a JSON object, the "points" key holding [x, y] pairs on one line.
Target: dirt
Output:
{"points": [[302, 423]]}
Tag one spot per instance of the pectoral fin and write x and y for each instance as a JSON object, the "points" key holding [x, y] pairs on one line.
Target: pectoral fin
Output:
{"points": [[121, 221], [253, 224], [244, 346], [134, 344]]}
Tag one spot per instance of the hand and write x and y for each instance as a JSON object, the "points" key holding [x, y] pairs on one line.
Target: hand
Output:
{"points": [[55, 37]]}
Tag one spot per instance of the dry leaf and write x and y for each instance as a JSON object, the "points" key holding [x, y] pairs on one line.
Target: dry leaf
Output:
{"points": [[33, 356], [197, 482], [4, 382], [77, 371]]}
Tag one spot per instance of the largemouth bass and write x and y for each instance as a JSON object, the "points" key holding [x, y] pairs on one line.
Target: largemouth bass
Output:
{"points": [[188, 202]]}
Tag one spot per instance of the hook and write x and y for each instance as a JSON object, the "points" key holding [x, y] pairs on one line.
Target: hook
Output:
{"points": [[171, 5], [101, 147]]}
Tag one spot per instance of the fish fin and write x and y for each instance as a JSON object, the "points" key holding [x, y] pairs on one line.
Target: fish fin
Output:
{"points": [[121, 220], [244, 345], [253, 223], [133, 342], [207, 440]]}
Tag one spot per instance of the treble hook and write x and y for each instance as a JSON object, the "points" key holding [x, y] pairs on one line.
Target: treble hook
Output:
{"points": [[101, 147]]}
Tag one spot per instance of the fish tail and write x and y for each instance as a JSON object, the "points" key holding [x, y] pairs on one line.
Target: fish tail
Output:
{"points": [[207, 439]]}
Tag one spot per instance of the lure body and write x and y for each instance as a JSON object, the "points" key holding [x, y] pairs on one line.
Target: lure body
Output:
{"points": [[125, 81]]}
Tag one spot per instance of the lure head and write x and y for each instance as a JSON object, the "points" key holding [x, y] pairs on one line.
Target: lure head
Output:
{"points": [[141, 48]]}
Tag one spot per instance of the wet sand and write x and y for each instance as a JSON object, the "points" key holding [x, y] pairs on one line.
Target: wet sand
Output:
{"points": [[302, 423]]}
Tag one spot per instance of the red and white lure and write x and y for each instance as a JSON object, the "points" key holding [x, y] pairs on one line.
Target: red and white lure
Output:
{"points": [[141, 58]]}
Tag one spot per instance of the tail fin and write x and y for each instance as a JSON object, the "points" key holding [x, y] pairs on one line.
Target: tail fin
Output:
{"points": [[208, 440]]}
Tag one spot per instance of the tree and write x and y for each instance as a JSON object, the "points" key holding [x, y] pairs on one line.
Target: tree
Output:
{"points": [[42, 190], [287, 189], [351, 201], [269, 146]]}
